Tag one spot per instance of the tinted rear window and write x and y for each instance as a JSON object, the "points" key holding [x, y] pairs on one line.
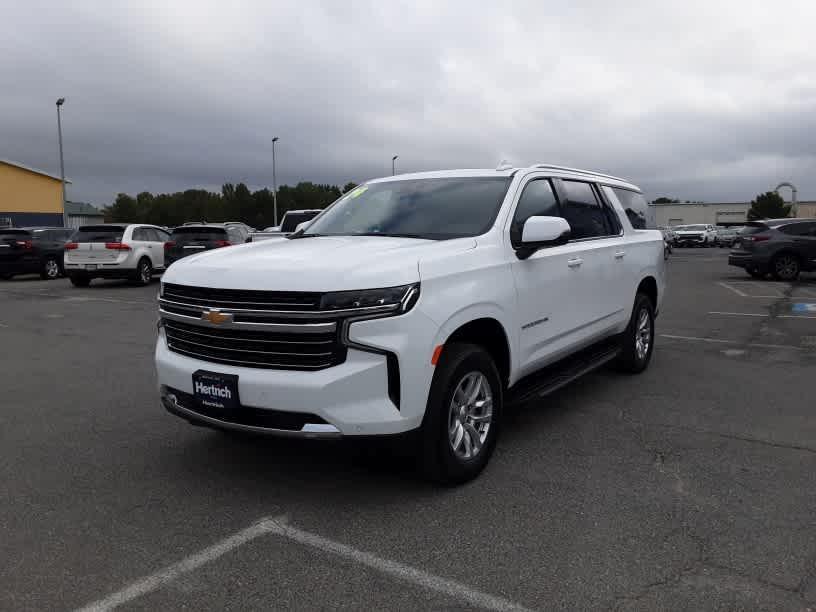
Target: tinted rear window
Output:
{"points": [[198, 233], [292, 220], [636, 207], [753, 228], [99, 233], [10, 234]]}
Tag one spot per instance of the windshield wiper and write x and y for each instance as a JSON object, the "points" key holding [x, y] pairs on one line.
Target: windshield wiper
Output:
{"points": [[389, 235], [297, 236]]}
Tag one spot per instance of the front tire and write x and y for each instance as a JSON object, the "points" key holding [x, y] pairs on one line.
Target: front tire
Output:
{"points": [[463, 415], [51, 269], [637, 341]]}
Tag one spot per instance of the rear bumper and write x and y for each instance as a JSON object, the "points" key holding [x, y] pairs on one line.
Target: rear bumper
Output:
{"points": [[746, 260], [101, 272]]}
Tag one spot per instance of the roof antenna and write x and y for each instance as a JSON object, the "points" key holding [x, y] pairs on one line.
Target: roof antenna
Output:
{"points": [[504, 165]]}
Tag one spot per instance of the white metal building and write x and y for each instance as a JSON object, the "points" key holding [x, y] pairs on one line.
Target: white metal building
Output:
{"points": [[715, 213]]}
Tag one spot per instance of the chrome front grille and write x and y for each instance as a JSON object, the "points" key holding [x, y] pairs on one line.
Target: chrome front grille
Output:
{"points": [[256, 329]]}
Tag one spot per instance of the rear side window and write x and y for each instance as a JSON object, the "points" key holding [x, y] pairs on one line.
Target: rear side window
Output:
{"points": [[99, 233], [537, 199], [583, 211], [189, 233], [635, 206], [799, 229]]}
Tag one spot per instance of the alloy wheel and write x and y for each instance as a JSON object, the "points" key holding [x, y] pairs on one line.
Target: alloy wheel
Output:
{"points": [[470, 415], [643, 334], [52, 269], [786, 267]]}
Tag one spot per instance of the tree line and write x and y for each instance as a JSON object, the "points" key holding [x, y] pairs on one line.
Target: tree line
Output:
{"points": [[234, 203]]}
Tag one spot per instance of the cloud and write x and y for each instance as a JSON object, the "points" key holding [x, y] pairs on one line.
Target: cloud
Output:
{"points": [[698, 100]]}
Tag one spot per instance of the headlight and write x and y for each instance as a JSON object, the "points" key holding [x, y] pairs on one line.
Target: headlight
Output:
{"points": [[389, 299]]}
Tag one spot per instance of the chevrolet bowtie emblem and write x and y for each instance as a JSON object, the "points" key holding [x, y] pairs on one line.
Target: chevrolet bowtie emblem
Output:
{"points": [[216, 317]]}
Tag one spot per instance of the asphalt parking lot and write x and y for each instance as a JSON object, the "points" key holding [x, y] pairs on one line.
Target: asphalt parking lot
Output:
{"points": [[690, 487]]}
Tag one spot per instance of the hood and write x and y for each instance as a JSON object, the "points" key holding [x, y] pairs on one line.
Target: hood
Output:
{"points": [[330, 263]]}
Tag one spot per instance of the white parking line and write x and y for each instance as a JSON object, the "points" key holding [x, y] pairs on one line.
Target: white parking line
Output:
{"points": [[719, 341], [757, 314], [734, 289], [155, 581], [278, 526]]}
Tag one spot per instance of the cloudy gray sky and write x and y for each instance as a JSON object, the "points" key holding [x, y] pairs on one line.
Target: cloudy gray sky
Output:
{"points": [[711, 100]]}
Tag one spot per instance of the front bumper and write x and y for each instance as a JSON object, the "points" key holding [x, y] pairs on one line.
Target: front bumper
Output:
{"points": [[352, 398]]}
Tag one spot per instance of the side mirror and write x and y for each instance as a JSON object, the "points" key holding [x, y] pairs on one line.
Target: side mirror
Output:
{"points": [[542, 232], [301, 226]]}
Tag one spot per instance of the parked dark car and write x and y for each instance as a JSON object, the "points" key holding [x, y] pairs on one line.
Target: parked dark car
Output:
{"points": [[191, 239], [781, 247], [33, 250]]}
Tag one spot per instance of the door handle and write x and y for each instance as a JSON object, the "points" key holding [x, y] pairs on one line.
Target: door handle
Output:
{"points": [[620, 254], [574, 263]]}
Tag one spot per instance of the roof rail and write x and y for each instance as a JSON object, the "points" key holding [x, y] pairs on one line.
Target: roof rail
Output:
{"points": [[590, 172]]}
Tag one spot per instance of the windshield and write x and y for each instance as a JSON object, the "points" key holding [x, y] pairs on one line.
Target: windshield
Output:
{"points": [[433, 209], [691, 228]]}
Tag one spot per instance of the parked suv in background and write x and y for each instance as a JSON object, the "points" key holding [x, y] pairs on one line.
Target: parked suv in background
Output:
{"points": [[191, 239], [32, 250], [783, 247], [112, 250], [726, 236], [695, 235], [422, 304]]}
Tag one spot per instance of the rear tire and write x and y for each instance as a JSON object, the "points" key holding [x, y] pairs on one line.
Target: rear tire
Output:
{"points": [[463, 415], [144, 272], [785, 267], [51, 269], [79, 281], [637, 341]]}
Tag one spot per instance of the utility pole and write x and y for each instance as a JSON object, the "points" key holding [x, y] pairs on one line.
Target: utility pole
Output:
{"points": [[393, 166], [60, 102], [274, 183]]}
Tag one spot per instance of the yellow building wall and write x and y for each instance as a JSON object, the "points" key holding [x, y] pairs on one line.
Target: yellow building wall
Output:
{"points": [[24, 191]]}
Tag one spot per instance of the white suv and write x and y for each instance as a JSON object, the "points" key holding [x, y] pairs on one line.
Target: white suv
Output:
{"points": [[419, 304], [115, 250]]}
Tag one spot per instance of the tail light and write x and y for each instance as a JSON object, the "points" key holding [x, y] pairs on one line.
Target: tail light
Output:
{"points": [[169, 245], [26, 244], [117, 246], [70, 246], [757, 238], [222, 243]]}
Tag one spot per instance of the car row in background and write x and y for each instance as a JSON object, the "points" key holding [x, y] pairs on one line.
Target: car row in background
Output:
{"points": [[700, 235], [289, 224], [32, 250], [780, 247]]}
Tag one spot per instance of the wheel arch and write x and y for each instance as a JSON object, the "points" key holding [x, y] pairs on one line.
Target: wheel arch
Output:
{"points": [[648, 286], [489, 333]]}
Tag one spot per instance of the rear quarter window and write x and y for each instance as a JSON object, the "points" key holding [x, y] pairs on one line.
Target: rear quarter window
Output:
{"points": [[635, 206]]}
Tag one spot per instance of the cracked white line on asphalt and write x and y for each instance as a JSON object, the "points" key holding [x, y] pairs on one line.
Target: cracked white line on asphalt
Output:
{"points": [[758, 314], [278, 526], [734, 289], [720, 341]]}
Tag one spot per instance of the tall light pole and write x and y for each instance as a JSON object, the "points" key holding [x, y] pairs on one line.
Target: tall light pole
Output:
{"points": [[60, 102], [393, 167], [274, 183]]}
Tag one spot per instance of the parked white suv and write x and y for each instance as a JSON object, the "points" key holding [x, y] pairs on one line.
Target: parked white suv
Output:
{"points": [[422, 304], [112, 250], [700, 234]]}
